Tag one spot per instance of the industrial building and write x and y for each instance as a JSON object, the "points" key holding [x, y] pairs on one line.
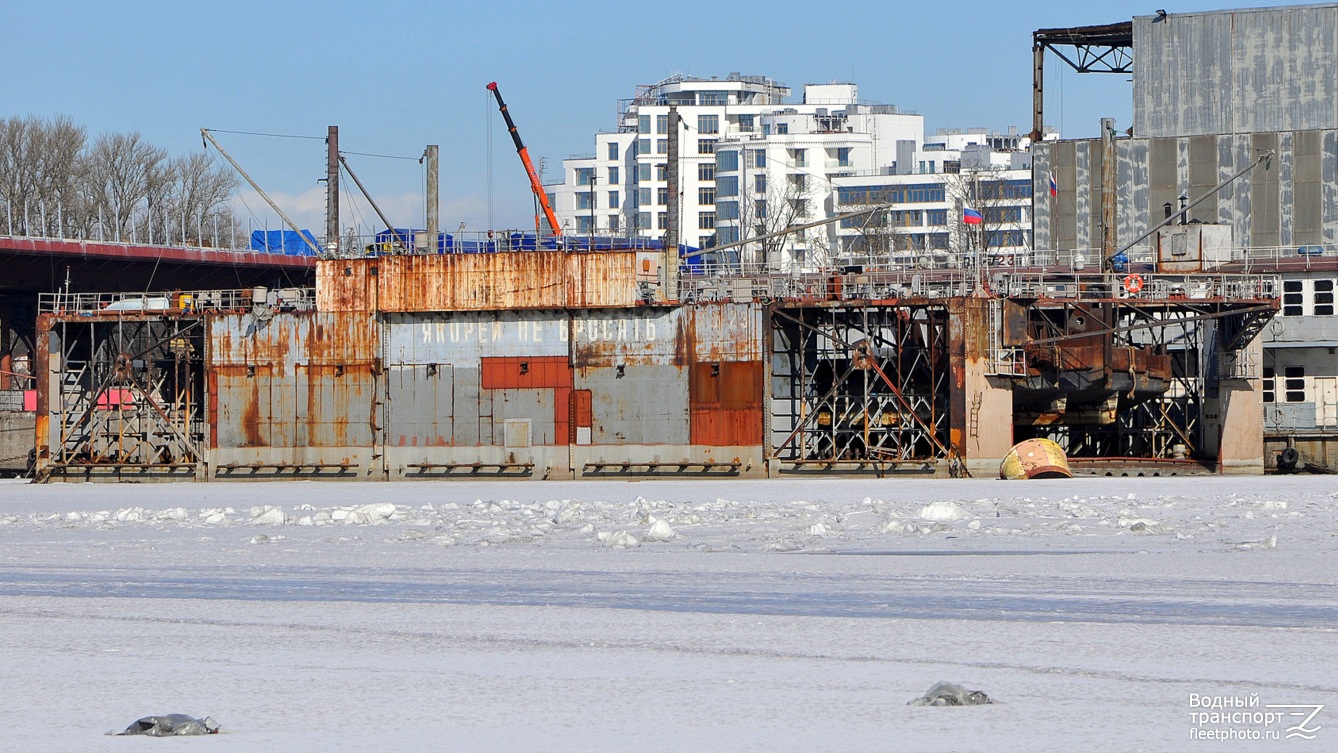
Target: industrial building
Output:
{"points": [[1250, 93]]}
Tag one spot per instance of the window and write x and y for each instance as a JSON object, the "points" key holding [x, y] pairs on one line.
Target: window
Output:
{"points": [[798, 182], [727, 210], [745, 123], [708, 124], [1323, 297], [643, 146], [759, 158], [1294, 383], [643, 197], [1292, 297], [643, 173], [585, 176], [936, 217], [613, 222], [661, 172], [706, 171], [613, 199], [663, 196], [643, 124], [661, 146], [727, 161], [843, 156], [800, 207], [661, 123], [938, 241], [782, 129], [713, 98], [1002, 215], [613, 176], [760, 183], [727, 185], [706, 221], [799, 157], [1270, 393], [664, 221], [613, 150], [584, 200], [706, 146], [706, 241], [760, 209], [706, 196], [643, 220], [583, 225], [726, 235]]}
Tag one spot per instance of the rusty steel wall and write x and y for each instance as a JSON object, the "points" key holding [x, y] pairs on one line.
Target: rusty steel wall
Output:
{"points": [[292, 388], [634, 363], [478, 282]]}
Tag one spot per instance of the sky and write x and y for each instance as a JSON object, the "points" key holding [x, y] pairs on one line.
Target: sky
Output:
{"points": [[398, 75]]}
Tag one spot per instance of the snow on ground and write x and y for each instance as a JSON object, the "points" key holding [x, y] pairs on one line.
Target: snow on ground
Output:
{"points": [[677, 616]]}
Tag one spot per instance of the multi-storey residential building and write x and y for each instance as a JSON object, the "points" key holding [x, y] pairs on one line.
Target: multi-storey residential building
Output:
{"points": [[750, 165]]}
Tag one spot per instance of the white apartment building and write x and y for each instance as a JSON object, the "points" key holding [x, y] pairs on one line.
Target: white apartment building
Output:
{"points": [[751, 164], [622, 188]]}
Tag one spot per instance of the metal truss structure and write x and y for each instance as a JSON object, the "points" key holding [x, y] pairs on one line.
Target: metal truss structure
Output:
{"points": [[128, 399], [859, 386], [1152, 367]]}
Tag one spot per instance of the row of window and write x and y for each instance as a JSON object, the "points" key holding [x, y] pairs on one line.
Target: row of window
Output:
{"points": [[585, 176], [706, 124], [1293, 385], [907, 194], [1307, 297]]}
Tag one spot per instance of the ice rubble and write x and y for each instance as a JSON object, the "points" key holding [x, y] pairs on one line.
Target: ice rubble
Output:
{"points": [[620, 519]]}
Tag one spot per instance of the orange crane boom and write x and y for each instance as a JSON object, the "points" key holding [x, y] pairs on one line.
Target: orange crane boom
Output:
{"points": [[529, 166]]}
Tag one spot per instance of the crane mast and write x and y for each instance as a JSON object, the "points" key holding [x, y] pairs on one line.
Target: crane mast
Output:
{"points": [[529, 166]]}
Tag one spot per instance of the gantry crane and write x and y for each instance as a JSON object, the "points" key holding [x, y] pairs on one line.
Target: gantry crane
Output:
{"points": [[529, 167]]}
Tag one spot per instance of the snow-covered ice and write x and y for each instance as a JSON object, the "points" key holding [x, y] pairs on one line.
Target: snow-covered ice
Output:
{"points": [[668, 615]]}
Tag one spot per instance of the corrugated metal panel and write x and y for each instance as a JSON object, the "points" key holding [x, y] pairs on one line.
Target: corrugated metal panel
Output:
{"points": [[478, 282], [637, 404], [346, 284], [472, 282], [1236, 71], [727, 332], [601, 280], [726, 402], [630, 337], [526, 372], [293, 380], [469, 336]]}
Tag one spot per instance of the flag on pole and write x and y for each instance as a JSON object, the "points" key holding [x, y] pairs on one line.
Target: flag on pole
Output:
{"points": [[971, 216], [1054, 187]]}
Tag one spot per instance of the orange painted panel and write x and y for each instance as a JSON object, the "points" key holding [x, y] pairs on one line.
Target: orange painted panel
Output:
{"points": [[526, 373]]}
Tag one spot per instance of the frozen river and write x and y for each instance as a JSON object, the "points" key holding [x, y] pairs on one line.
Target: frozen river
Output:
{"points": [[775, 615]]}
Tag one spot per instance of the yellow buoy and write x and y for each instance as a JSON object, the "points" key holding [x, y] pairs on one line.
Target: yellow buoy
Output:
{"points": [[1035, 458]]}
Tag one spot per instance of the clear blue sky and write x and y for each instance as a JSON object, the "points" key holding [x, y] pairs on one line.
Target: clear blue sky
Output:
{"points": [[395, 75]]}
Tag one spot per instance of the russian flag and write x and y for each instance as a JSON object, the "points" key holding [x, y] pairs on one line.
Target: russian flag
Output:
{"points": [[971, 216], [1054, 187]]}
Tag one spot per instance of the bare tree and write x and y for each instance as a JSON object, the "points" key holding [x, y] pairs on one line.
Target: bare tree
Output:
{"points": [[1001, 205], [769, 208], [123, 173], [38, 162], [198, 193]]}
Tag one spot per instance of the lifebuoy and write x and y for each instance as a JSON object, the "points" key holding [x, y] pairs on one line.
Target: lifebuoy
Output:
{"points": [[1133, 283]]}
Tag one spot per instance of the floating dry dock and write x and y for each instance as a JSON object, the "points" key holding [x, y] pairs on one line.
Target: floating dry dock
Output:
{"points": [[565, 365]]}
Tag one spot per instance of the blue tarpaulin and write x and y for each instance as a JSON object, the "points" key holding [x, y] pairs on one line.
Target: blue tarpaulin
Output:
{"points": [[284, 242]]}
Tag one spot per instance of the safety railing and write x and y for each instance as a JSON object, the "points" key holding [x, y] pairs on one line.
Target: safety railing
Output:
{"points": [[176, 302]]}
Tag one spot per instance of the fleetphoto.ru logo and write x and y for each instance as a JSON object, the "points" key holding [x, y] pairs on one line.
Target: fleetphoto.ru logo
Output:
{"points": [[1225, 717]]}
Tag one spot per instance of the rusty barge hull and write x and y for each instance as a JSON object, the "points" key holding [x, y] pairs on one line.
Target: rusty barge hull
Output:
{"points": [[568, 365]]}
